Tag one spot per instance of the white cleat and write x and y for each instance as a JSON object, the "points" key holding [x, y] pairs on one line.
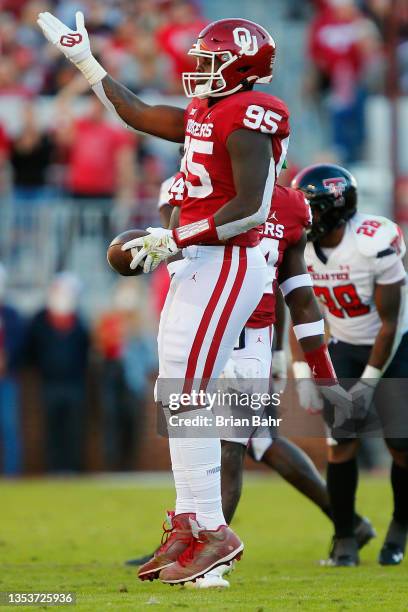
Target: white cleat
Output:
{"points": [[212, 579]]}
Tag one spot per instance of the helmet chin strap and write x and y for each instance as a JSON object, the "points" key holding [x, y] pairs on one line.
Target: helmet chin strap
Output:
{"points": [[245, 85], [219, 94]]}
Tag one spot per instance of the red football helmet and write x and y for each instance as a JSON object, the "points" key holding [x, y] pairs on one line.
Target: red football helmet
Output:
{"points": [[246, 52]]}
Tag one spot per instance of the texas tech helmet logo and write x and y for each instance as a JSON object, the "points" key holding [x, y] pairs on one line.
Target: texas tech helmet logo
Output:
{"points": [[336, 185], [70, 40], [248, 43]]}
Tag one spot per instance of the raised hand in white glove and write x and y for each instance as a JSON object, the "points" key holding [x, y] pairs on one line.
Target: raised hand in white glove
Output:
{"points": [[74, 45], [280, 368], [309, 396], [158, 245]]}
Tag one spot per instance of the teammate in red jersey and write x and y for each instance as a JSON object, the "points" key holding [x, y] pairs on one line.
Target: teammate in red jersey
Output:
{"points": [[235, 145], [233, 154], [283, 243], [282, 229]]}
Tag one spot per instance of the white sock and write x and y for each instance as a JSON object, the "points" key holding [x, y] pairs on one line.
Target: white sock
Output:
{"points": [[201, 458], [184, 497]]}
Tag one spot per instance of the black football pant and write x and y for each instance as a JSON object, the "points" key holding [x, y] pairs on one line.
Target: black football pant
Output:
{"points": [[349, 362]]}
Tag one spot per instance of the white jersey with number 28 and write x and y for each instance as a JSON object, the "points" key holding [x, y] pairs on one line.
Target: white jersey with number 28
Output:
{"points": [[345, 277]]}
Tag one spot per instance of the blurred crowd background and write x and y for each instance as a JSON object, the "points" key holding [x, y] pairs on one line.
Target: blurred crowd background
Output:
{"points": [[77, 344]]}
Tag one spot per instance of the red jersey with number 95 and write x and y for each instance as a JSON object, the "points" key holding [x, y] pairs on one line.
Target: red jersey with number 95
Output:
{"points": [[290, 215], [207, 181]]}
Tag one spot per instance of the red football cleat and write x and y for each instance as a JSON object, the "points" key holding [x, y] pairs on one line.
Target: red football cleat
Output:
{"points": [[176, 538], [208, 549]]}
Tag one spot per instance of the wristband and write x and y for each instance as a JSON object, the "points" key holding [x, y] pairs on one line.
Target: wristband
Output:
{"points": [[92, 70], [294, 282], [304, 330], [301, 369], [371, 375], [321, 365], [194, 233]]}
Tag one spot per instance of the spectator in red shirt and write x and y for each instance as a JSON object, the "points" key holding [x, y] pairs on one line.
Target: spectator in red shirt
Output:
{"points": [[176, 37], [100, 160], [342, 43], [100, 167]]}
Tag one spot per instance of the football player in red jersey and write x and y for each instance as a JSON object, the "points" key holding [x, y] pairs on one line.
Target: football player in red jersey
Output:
{"points": [[289, 217], [283, 244], [235, 146], [235, 143]]}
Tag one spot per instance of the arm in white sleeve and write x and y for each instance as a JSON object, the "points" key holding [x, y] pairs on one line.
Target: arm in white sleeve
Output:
{"points": [[100, 93]]}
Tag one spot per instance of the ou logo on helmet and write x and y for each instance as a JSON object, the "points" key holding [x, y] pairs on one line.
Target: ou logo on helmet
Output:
{"points": [[247, 42]]}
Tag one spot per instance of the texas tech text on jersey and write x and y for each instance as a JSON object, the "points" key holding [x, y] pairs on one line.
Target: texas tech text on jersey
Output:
{"points": [[344, 277]]}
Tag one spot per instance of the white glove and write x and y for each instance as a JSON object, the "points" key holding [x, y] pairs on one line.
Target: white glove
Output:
{"points": [[230, 370], [362, 394], [280, 368], [341, 400], [309, 396], [241, 369], [363, 391], [74, 45], [158, 245], [240, 375], [279, 365]]}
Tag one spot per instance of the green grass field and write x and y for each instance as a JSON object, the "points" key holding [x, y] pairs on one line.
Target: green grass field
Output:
{"points": [[73, 535]]}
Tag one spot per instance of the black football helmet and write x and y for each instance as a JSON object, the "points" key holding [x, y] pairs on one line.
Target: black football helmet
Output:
{"points": [[332, 194]]}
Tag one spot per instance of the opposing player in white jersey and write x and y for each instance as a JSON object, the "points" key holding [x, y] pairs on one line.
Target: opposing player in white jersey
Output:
{"points": [[235, 144], [355, 261]]}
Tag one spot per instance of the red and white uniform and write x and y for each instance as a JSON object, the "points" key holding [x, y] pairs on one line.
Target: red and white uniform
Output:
{"points": [[217, 286], [206, 166], [344, 278], [290, 215]]}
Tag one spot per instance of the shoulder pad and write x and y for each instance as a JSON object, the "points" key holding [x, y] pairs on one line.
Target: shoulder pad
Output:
{"points": [[376, 236]]}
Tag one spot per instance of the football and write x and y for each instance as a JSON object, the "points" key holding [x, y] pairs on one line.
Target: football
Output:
{"points": [[120, 260]]}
